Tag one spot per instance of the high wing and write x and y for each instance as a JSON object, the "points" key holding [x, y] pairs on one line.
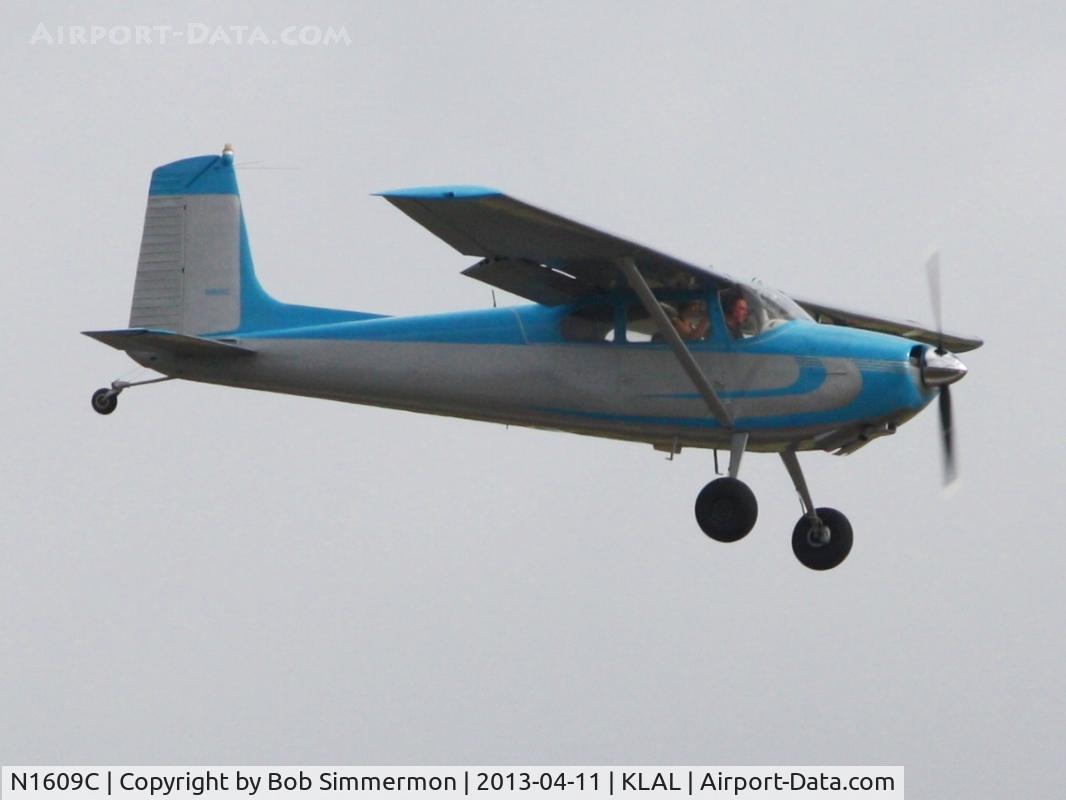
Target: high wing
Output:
{"points": [[536, 254], [834, 315], [553, 260]]}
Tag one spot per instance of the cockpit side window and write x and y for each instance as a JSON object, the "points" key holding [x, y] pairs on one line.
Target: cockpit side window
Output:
{"points": [[751, 310], [690, 318], [640, 327], [687, 314]]}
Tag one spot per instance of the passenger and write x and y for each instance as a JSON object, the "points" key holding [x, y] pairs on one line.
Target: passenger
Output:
{"points": [[692, 321], [735, 308]]}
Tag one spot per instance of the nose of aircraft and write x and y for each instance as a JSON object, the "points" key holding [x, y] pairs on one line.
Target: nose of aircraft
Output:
{"points": [[941, 369]]}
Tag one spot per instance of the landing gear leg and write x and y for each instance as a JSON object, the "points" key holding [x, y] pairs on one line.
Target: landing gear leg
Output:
{"points": [[106, 400], [823, 537], [726, 508]]}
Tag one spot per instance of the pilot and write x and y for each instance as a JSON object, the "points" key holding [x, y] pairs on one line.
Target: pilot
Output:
{"points": [[692, 321], [735, 308]]}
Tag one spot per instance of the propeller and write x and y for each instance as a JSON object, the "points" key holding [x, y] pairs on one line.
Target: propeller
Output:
{"points": [[947, 438]]}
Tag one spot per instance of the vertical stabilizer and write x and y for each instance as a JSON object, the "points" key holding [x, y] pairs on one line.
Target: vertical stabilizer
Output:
{"points": [[188, 271], [195, 274]]}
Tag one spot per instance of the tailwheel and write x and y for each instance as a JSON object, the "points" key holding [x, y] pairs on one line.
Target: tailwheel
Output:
{"points": [[726, 510], [822, 543], [105, 401]]}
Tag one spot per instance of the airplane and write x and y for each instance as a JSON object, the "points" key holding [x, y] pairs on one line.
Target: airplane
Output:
{"points": [[620, 341]]}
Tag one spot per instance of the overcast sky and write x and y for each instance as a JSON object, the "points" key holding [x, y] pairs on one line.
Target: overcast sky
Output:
{"points": [[216, 576]]}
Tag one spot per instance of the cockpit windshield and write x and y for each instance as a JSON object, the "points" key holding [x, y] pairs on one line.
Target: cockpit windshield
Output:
{"points": [[751, 309]]}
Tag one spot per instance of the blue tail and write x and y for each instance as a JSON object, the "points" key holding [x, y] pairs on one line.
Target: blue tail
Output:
{"points": [[195, 273]]}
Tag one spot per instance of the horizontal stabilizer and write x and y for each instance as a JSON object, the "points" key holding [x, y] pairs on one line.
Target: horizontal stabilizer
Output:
{"points": [[147, 340]]}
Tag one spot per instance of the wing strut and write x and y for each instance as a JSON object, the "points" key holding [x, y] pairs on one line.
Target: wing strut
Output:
{"points": [[651, 305]]}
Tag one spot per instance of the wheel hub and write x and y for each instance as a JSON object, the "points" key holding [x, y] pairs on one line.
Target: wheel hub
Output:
{"points": [[818, 535], [722, 511]]}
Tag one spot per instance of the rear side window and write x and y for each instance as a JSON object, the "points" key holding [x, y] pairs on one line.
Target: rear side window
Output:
{"points": [[629, 322], [592, 323]]}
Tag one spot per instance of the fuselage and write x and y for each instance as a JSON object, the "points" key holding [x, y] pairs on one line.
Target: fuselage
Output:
{"points": [[797, 385]]}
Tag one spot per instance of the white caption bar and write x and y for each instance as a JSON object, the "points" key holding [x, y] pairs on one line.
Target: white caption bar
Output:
{"points": [[289, 783]]}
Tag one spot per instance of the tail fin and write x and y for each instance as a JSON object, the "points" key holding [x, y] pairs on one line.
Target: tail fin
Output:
{"points": [[195, 274]]}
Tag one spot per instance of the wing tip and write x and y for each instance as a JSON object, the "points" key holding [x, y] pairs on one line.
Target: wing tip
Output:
{"points": [[969, 343]]}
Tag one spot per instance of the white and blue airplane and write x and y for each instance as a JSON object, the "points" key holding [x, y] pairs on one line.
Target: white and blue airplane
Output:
{"points": [[620, 341]]}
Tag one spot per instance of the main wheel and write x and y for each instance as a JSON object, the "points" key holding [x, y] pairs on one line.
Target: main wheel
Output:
{"points": [[104, 401], [813, 550], [726, 510]]}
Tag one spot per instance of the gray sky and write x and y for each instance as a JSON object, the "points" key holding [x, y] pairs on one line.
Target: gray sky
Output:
{"points": [[216, 576]]}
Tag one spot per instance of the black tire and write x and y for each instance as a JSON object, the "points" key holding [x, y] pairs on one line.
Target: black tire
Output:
{"points": [[726, 510], [818, 556], [104, 402]]}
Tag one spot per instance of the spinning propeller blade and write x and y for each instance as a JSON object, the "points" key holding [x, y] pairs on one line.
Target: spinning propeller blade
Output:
{"points": [[947, 442], [932, 271], [947, 437]]}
